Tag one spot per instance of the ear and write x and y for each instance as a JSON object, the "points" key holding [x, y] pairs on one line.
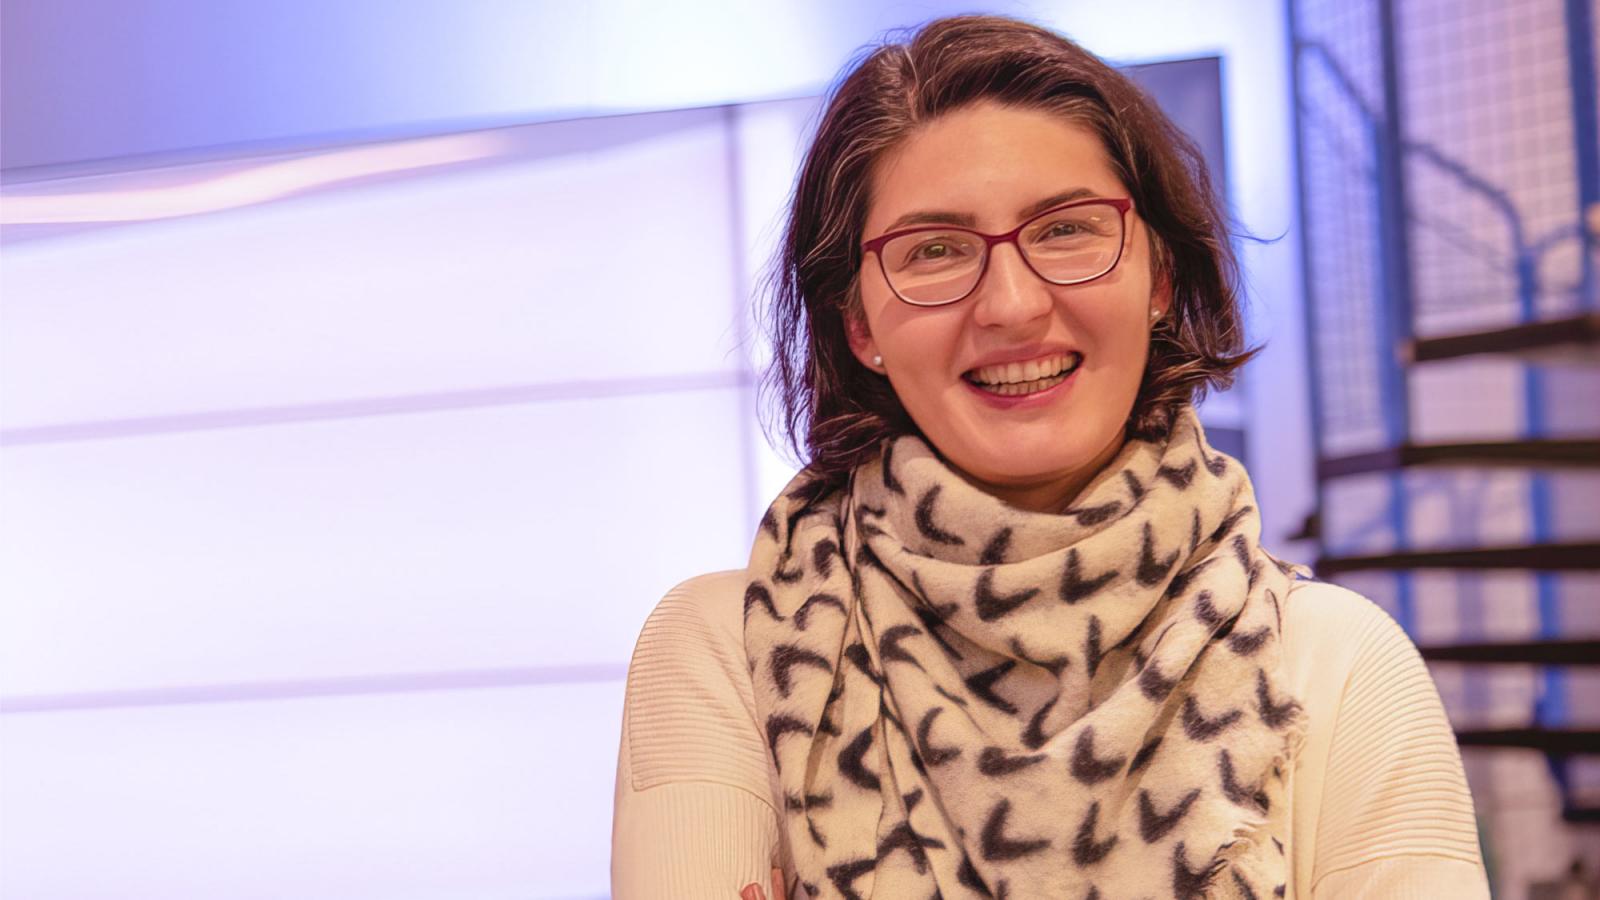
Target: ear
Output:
{"points": [[859, 334]]}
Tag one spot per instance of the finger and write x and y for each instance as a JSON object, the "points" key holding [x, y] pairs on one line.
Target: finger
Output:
{"points": [[778, 893], [752, 891]]}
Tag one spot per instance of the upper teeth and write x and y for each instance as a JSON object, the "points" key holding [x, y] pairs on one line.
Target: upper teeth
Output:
{"points": [[1032, 370]]}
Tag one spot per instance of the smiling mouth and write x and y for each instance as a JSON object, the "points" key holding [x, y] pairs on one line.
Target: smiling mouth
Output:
{"points": [[1016, 379]]}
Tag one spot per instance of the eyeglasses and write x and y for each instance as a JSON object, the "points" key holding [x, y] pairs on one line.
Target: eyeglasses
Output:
{"points": [[939, 264]]}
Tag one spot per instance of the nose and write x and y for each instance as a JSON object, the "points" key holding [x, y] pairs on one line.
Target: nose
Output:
{"points": [[1010, 293]]}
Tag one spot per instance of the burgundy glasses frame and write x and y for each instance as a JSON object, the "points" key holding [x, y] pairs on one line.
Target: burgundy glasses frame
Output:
{"points": [[1122, 205]]}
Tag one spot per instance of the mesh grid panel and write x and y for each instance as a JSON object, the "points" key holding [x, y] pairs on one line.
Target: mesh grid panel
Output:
{"points": [[1490, 161], [1486, 232], [1339, 105]]}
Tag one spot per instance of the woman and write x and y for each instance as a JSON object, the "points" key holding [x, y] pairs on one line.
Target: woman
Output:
{"points": [[1011, 632]]}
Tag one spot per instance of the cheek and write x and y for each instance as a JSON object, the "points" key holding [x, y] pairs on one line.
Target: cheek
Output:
{"points": [[920, 342], [1131, 330], [878, 309], [1127, 348], [1119, 318], [923, 350]]}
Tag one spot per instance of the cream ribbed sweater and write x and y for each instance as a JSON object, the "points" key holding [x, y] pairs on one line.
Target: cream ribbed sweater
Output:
{"points": [[1380, 804]]}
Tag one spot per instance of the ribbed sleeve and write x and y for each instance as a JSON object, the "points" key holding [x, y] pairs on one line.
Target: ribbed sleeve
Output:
{"points": [[692, 818], [691, 709], [1396, 818]]}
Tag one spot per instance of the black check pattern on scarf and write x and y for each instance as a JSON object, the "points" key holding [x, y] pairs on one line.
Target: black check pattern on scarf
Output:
{"points": [[963, 699]]}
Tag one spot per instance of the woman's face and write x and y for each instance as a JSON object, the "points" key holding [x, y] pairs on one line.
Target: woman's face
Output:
{"points": [[986, 166]]}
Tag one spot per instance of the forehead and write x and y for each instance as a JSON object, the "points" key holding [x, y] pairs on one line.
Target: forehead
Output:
{"points": [[988, 161]]}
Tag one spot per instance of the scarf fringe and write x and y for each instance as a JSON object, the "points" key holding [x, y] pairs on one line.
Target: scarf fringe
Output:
{"points": [[1250, 835]]}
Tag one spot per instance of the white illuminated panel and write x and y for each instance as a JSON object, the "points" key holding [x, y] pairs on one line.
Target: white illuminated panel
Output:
{"points": [[599, 250], [511, 536], [496, 793], [302, 495], [772, 139]]}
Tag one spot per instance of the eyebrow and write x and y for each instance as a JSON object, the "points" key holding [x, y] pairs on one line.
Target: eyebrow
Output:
{"points": [[967, 220]]}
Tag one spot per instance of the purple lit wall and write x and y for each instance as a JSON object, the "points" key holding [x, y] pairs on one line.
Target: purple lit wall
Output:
{"points": [[326, 445], [321, 536]]}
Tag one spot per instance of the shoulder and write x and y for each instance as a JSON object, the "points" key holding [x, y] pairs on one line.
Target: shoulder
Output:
{"points": [[690, 708], [1312, 603], [696, 631], [1377, 732], [693, 814], [708, 609], [1347, 658], [1329, 629]]}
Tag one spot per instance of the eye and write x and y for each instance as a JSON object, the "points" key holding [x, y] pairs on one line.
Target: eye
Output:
{"points": [[927, 252], [1071, 229]]}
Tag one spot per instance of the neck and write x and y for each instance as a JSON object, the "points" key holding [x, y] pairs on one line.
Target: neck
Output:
{"points": [[1052, 494]]}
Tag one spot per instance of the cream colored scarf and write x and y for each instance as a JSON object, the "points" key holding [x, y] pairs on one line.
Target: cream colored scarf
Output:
{"points": [[964, 699]]}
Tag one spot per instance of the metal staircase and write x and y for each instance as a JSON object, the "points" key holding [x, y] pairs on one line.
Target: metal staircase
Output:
{"points": [[1575, 339], [1407, 223]]}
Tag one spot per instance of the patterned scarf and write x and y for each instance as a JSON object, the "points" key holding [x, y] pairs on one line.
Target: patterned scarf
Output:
{"points": [[964, 699]]}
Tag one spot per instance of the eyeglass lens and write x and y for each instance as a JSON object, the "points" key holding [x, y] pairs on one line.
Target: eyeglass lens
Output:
{"points": [[941, 265]]}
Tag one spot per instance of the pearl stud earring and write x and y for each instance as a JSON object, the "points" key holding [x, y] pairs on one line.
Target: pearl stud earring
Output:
{"points": [[877, 360]]}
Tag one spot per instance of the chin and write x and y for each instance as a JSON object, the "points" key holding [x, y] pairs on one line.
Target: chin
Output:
{"points": [[1032, 454], [1022, 464]]}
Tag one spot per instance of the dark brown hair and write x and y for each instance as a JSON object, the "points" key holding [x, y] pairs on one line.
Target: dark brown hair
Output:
{"points": [[835, 411]]}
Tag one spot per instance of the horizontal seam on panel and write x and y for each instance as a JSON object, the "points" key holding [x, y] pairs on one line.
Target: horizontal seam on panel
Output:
{"points": [[530, 676], [360, 408]]}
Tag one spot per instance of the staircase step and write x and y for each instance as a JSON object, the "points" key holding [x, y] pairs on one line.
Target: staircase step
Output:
{"points": [[1559, 741], [1571, 338], [1580, 556], [1549, 453], [1553, 652]]}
